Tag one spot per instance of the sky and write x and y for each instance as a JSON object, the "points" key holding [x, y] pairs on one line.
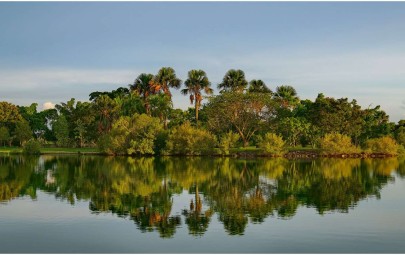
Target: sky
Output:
{"points": [[53, 51]]}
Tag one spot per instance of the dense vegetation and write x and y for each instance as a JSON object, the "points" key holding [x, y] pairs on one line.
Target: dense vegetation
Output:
{"points": [[140, 120]]}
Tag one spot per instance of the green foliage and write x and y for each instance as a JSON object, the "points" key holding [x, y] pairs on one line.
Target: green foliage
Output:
{"points": [[160, 107], [9, 113], [258, 86], [386, 145], [233, 81], [335, 143], [245, 113], [120, 92], [61, 129], [132, 135], [165, 79], [160, 142], [22, 132], [228, 141], [33, 146], [293, 129], [336, 116], [177, 117], [196, 83], [400, 135], [4, 135], [401, 150], [272, 143], [107, 111], [187, 140], [286, 96]]}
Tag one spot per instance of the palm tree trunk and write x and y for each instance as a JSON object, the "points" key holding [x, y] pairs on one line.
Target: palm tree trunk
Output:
{"points": [[196, 110]]}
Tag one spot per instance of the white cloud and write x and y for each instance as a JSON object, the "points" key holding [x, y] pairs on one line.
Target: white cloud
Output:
{"points": [[48, 105], [38, 78], [25, 86]]}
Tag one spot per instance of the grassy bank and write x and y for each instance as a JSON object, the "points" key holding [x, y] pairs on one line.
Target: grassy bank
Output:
{"points": [[53, 150], [250, 152]]}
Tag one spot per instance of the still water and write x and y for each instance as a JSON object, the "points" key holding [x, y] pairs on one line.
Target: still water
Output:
{"points": [[66, 204]]}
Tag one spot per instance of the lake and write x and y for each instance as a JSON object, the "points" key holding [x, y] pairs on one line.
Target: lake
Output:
{"points": [[69, 204]]}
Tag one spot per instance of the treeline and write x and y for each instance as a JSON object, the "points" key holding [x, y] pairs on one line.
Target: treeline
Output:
{"points": [[140, 120]]}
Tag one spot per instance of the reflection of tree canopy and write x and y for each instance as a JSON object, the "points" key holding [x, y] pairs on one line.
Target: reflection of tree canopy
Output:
{"points": [[238, 191], [19, 176]]}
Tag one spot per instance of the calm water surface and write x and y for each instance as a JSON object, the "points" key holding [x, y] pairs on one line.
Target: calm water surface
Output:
{"points": [[65, 204]]}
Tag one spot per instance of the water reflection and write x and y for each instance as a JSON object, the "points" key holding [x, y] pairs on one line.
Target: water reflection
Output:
{"points": [[235, 191]]}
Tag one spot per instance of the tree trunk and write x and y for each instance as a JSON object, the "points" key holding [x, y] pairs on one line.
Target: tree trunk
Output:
{"points": [[245, 143], [196, 111]]}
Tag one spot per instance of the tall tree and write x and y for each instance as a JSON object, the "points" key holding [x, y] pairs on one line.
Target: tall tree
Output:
{"points": [[22, 131], [9, 113], [107, 110], [61, 129], [4, 135], [165, 79], [196, 83], [142, 85], [234, 80], [287, 96], [258, 86], [161, 105], [245, 113]]}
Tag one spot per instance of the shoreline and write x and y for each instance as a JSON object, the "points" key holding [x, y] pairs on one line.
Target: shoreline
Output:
{"points": [[240, 154]]}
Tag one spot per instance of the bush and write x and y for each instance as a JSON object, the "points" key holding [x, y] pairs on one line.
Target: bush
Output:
{"points": [[33, 146], [401, 150], [227, 142], [187, 140], [335, 143], [272, 143], [131, 135], [386, 145]]}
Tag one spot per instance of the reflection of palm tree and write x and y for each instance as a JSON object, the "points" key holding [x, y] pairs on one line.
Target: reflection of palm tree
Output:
{"points": [[155, 214], [197, 81], [196, 220]]}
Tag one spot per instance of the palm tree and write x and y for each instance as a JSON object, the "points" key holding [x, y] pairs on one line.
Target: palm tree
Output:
{"points": [[196, 83], [142, 85], [258, 86], [234, 80], [287, 96], [165, 79]]}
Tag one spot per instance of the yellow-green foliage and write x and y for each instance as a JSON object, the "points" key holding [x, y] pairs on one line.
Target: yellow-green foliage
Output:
{"points": [[132, 135], [187, 140], [227, 142], [33, 146], [335, 143], [272, 143], [384, 144]]}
